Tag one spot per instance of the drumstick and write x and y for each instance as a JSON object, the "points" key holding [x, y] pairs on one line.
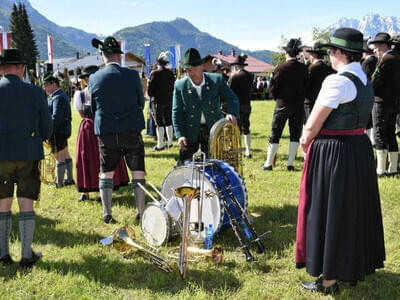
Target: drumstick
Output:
{"points": [[148, 193], [157, 191]]}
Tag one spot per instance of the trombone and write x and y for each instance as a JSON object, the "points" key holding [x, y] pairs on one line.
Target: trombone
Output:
{"points": [[123, 240]]}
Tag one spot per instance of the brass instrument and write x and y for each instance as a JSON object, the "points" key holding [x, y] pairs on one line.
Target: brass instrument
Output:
{"points": [[123, 240], [47, 165], [187, 193], [225, 144], [195, 253]]}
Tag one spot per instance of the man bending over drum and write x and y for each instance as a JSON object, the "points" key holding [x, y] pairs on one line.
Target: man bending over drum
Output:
{"points": [[196, 105]]}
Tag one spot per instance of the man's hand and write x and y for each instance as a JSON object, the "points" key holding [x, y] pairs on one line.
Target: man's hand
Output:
{"points": [[232, 119], [182, 142]]}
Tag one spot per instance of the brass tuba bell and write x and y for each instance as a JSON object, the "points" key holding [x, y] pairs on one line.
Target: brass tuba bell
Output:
{"points": [[47, 165], [225, 144]]}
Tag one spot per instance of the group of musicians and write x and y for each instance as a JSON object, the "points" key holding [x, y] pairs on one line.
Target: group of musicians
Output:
{"points": [[111, 107]]}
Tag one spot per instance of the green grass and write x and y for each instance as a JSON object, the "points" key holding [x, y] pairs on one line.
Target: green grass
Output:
{"points": [[75, 265]]}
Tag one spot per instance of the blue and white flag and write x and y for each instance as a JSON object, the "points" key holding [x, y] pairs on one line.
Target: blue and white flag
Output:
{"points": [[147, 58], [173, 61]]}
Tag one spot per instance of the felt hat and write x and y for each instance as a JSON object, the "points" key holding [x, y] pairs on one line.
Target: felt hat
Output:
{"points": [[316, 49], [294, 45], [347, 39], [396, 39], [366, 48], [88, 70], [381, 38], [109, 45], [240, 60], [49, 77], [192, 58], [11, 57]]}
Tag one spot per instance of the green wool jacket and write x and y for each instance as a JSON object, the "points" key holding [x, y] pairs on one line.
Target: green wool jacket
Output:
{"points": [[187, 105]]}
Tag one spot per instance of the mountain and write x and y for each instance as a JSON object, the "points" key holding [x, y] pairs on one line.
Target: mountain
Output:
{"points": [[161, 35], [66, 40], [371, 24]]}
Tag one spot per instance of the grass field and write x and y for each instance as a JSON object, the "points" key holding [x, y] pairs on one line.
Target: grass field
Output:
{"points": [[76, 266]]}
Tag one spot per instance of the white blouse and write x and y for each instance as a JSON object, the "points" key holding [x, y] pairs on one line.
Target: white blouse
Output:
{"points": [[78, 101]]}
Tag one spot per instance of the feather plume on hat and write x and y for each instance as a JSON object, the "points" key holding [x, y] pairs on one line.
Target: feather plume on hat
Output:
{"points": [[163, 57]]}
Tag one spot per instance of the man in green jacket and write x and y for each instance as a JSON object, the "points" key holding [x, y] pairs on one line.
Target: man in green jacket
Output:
{"points": [[196, 105], [25, 122]]}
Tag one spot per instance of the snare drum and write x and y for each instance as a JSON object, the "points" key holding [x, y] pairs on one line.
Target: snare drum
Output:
{"points": [[157, 227], [213, 209]]}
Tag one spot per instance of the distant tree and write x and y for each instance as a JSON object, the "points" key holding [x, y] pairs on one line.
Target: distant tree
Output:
{"points": [[321, 34], [22, 35], [279, 57]]}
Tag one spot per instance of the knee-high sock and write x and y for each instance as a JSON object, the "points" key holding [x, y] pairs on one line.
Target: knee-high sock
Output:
{"points": [[139, 194], [272, 150], [393, 159], [106, 189], [293, 146], [68, 164], [247, 143], [26, 221], [170, 135], [5, 230], [60, 168], [381, 158], [160, 137]]}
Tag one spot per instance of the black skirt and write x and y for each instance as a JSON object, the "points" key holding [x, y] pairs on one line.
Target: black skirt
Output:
{"points": [[343, 220]]}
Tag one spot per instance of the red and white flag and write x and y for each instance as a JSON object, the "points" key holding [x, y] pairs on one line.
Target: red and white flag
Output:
{"points": [[50, 48], [5, 40]]}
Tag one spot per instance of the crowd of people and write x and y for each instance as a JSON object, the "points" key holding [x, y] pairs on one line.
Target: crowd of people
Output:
{"points": [[337, 109]]}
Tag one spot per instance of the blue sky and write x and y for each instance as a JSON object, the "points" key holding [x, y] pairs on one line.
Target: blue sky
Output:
{"points": [[251, 24]]}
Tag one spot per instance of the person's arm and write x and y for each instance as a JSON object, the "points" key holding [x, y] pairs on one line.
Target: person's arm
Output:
{"points": [[45, 121], [78, 103], [139, 91], [59, 107], [314, 124], [232, 101]]}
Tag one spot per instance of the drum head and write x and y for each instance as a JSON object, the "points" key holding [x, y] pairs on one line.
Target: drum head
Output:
{"points": [[212, 212], [155, 224]]}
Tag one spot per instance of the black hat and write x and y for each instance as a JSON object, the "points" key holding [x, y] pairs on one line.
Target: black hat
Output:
{"points": [[110, 45], [88, 70], [49, 77], [217, 63], [240, 60], [381, 38], [162, 58], [11, 57], [192, 58], [348, 39], [293, 46], [317, 49], [367, 49], [396, 39]]}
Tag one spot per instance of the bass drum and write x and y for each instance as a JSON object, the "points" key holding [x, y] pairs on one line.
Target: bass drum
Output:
{"points": [[213, 209]]}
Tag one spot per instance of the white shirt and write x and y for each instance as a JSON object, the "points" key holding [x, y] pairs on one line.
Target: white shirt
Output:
{"points": [[198, 90], [77, 99], [337, 89]]}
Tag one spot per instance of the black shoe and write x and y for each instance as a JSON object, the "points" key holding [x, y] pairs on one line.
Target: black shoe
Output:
{"points": [[290, 168], [83, 197], [69, 182], [169, 146], [6, 260], [381, 175], [27, 263], [317, 286], [267, 168], [248, 156], [107, 219], [155, 148], [137, 216]]}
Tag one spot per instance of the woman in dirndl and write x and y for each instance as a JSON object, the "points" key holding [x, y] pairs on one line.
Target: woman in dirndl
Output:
{"points": [[87, 149], [339, 225]]}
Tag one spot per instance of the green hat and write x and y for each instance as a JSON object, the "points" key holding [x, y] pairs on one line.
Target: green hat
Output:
{"points": [[49, 77], [11, 57], [192, 58], [110, 45]]}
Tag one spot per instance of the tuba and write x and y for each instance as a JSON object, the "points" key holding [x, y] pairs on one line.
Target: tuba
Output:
{"points": [[47, 165], [225, 144]]}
